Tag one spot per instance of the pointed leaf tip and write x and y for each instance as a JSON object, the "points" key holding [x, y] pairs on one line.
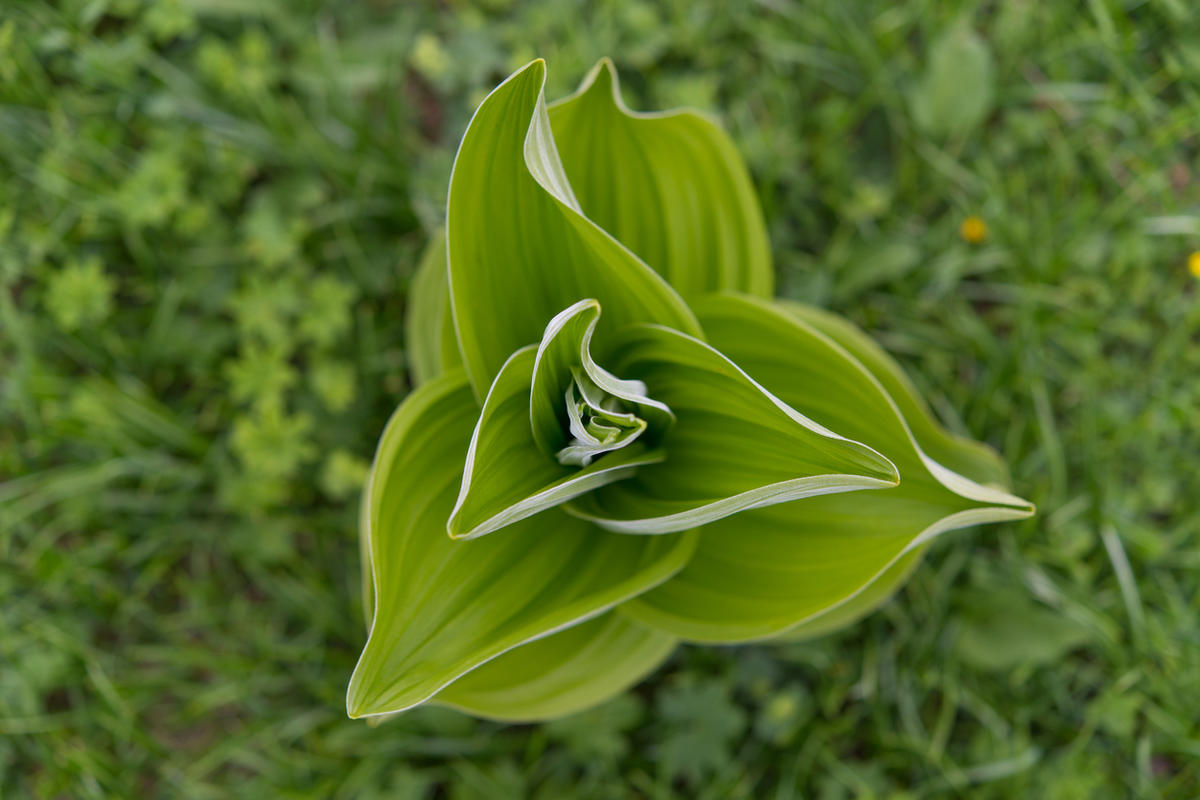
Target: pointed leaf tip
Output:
{"points": [[630, 170], [519, 248], [735, 446]]}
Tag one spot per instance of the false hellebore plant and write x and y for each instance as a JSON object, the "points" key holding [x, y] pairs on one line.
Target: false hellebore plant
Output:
{"points": [[619, 440]]}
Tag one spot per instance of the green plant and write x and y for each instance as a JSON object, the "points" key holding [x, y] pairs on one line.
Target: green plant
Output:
{"points": [[679, 458], [179, 623]]}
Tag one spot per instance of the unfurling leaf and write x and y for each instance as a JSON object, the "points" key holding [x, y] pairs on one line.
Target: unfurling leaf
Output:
{"points": [[734, 445], [506, 477], [598, 358]]}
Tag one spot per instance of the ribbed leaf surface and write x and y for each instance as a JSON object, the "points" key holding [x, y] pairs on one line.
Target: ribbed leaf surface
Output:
{"points": [[562, 673], [761, 573], [506, 477], [441, 607], [429, 327], [669, 185], [734, 445], [520, 248], [568, 397]]}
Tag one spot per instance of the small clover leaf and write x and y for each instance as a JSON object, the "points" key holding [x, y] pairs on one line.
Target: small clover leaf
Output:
{"points": [[80, 295], [702, 725]]}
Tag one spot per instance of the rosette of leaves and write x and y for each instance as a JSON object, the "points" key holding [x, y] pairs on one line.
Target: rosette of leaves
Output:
{"points": [[618, 439]]}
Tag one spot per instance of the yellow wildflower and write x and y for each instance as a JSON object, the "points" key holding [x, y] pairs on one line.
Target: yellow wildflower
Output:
{"points": [[973, 230]]}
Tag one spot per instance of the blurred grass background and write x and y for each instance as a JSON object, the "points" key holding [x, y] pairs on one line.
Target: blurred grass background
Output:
{"points": [[209, 214]]}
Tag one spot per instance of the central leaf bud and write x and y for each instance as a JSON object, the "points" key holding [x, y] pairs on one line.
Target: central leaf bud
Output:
{"points": [[599, 422], [589, 429], [579, 411]]}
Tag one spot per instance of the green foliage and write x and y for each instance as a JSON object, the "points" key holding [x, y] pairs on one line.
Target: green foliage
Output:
{"points": [[722, 448], [79, 295], [599, 734], [158, 642], [1003, 629], [955, 93], [701, 722]]}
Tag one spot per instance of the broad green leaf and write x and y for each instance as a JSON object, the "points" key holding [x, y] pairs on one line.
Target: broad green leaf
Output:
{"points": [[955, 92], [764, 572], [761, 573], [791, 357], [869, 598], [506, 477], [429, 327], [565, 353], [561, 674], [968, 457], [1003, 628], [734, 446], [669, 185], [364, 562], [521, 250], [443, 607]]}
